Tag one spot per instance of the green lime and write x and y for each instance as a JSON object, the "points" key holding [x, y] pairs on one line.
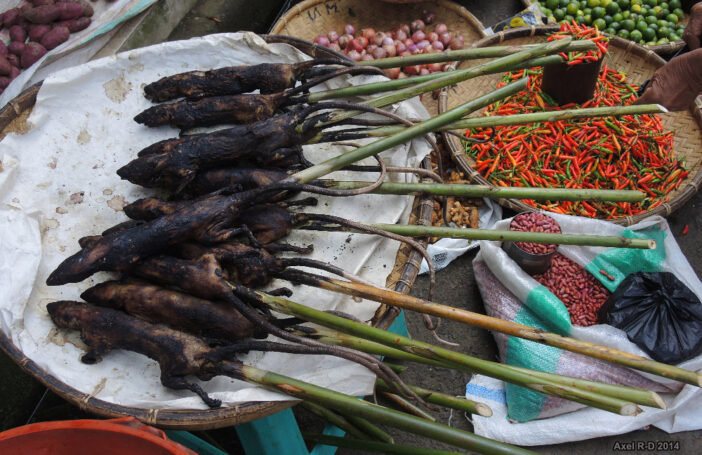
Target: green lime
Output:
{"points": [[651, 3], [605, 3], [678, 12], [641, 25], [624, 33], [618, 17], [636, 36], [608, 20], [637, 2], [610, 31], [598, 12], [663, 41], [664, 5], [593, 3], [568, 18], [587, 11], [649, 34], [583, 4], [672, 18], [563, 3], [658, 12], [651, 19], [612, 8], [674, 37], [599, 23], [673, 4], [547, 12], [663, 32], [580, 19], [588, 19], [623, 4], [654, 27], [662, 23], [626, 14], [628, 25], [559, 14], [636, 9], [645, 10], [572, 8], [615, 25]]}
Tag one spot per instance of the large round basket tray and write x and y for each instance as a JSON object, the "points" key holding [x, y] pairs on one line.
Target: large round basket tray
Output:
{"points": [[311, 18], [623, 55], [13, 118], [663, 49]]}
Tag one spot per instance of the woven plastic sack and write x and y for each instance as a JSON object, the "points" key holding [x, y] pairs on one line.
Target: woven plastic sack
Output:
{"points": [[522, 299]]}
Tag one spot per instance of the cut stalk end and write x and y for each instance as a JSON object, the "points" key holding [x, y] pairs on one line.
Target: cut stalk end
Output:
{"points": [[483, 410], [663, 108], [659, 401], [652, 245]]}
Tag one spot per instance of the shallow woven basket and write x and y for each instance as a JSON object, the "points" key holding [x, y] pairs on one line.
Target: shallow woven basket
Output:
{"points": [[638, 64], [663, 49], [13, 118], [311, 18]]}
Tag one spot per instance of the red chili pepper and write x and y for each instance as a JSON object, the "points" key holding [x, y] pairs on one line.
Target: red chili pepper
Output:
{"points": [[686, 229]]}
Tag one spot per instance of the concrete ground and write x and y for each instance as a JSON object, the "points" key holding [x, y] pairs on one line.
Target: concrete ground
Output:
{"points": [[455, 284]]}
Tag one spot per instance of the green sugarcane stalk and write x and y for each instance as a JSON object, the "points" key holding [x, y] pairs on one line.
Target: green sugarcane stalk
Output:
{"points": [[442, 399], [509, 236], [486, 367], [371, 430], [467, 54], [452, 77], [632, 394], [494, 192], [408, 134], [395, 367], [335, 419], [386, 86], [534, 117], [367, 446], [344, 403], [409, 407]]}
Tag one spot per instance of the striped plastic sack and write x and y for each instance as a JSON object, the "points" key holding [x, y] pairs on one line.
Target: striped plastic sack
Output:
{"points": [[509, 293]]}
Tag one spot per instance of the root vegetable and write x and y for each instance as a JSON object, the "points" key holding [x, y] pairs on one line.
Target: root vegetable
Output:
{"points": [[37, 31], [31, 54], [17, 33], [44, 14], [4, 82], [11, 17], [70, 10], [5, 67], [13, 59], [16, 48], [55, 37]]}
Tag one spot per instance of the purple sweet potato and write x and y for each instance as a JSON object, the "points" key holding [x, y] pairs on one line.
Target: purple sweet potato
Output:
{"points": [[44, 14], [10, 17], [4, 82], [75, 25], [69, 10], [32, 52], [5, 67], [17, 33], [16, 48], [3, 49], [55, 37], [13, 59], [14, 72], [43, 2], [36, 31]]}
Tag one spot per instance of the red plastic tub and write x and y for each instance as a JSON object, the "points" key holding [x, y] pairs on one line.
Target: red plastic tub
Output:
{"points": [[89, 437]]}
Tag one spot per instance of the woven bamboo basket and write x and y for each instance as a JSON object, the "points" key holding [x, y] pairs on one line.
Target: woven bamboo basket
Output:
{"points": [[639, 65], [310, 18], [663, 49], [13, 117]]}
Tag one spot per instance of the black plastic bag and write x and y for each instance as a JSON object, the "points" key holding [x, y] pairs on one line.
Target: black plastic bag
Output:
{"points": [[658, 313]]}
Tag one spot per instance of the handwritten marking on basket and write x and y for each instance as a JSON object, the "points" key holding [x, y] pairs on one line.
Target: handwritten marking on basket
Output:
{"points": [[330, 7]]}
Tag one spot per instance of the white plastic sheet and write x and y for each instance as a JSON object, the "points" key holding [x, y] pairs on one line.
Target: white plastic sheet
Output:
{"points": [[58, 183]]}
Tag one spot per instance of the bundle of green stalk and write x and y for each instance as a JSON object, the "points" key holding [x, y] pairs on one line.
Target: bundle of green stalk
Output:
{"points": [[187, 271]]}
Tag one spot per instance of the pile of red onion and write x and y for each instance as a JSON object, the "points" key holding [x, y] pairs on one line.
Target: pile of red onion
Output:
{"points": [[415, 38]]}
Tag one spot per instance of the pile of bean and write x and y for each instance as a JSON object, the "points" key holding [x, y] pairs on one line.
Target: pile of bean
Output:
{"points": [[579, 291], [535, 222], [35, 27], [403, 40]]}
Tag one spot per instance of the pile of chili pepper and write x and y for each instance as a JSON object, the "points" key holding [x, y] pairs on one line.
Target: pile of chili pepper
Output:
{"points": [[581, 32], [630, 152]]}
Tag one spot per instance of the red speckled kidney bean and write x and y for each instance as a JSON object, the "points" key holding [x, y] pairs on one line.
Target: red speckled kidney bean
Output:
{"points": [[579, 291], [535, 222]]}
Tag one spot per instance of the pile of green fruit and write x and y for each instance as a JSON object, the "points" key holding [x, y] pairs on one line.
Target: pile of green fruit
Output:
{"points": [[646, 22]]}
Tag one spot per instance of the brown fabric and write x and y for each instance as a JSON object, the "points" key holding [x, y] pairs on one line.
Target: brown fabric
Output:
{"points": [[693, 31], [677, 84]]}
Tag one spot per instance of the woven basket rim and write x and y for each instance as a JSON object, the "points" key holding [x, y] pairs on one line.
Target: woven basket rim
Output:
{"points": [[195, 419], [302, 6], [667, 48], [459, 157]]}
